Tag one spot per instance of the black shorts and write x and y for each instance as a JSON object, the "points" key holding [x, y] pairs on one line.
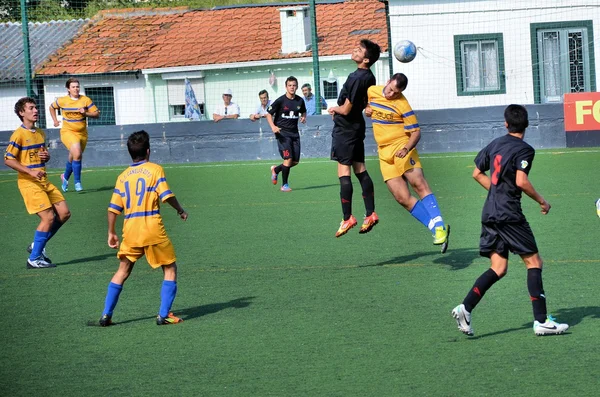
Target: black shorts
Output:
{"points": [[289, 147], [503, 237], [347, 151]]}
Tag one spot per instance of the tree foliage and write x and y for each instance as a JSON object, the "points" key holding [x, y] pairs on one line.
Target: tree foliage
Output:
{"points": [[47, 10]]}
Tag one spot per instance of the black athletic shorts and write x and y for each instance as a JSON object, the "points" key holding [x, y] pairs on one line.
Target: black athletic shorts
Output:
{"points": [[503, 237], [289, 147], [347, 151]]}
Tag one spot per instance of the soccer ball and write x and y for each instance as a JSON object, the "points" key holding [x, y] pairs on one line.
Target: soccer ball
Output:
{"points": [[405, 51]]}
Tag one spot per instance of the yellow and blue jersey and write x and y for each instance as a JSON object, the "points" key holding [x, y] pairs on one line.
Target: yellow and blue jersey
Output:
{"points": [[73, 121], [137, 195], [393, 120], [24, 146]]}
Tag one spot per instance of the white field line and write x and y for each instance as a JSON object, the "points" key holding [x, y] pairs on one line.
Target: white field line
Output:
{"points": [[261, 163]]}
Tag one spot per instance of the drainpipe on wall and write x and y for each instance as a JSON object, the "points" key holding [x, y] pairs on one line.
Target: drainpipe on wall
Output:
{"points": [[389, 36], [315, 54]]}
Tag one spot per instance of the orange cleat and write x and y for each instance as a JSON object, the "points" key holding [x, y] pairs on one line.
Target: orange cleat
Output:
{"points": [[346, 225], [273, 175], [170, 319], [369, 222]]}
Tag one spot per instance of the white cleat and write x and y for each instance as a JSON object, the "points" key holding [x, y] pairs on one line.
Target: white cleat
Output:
{"points": [[550, 327], [598, 207], [463, 319], [39, 263]]}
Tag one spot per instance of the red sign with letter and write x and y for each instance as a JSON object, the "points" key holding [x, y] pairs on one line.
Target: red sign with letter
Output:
{"points": [[582, 111]]}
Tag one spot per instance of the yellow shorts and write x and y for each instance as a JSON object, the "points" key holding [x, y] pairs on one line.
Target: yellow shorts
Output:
{"points": [[69, 138], [157, 255], [39, 196], [393, 167]]}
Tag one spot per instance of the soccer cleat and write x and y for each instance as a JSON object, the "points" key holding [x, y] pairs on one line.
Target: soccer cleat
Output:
{"points": [[170, 319], [369, 222], [346, 225], [44, 257], [285, 188], [440, 235], [65, 183], [105, 320], [78, 187], [463, 319], [550, 327], [39, 263], [444, 245], [598, 207], [273, 175]]}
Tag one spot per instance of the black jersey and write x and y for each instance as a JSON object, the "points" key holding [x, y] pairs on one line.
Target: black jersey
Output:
{"points": [[503, 157], [286, 113], [355, 90]]}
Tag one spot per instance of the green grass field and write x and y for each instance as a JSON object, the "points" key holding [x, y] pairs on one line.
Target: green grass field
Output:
{"points": [[274, 305]]}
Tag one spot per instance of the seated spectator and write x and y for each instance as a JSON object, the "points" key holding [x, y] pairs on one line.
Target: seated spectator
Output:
{"points": [[228, 110], [261, 110], [310, 101]]}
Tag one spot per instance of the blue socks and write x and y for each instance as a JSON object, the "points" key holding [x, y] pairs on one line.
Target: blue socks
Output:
{"points": [[39, 242], [431, 206], [76, 171], [68, 170], [420, 212], [112, 297], [167, 296]]}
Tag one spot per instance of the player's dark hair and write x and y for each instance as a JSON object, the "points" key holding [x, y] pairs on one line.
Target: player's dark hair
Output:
{"points": [[516, 117], [306, 85], [401, 81], [71, 80], [262, 92], [372, 51], [291, 78], [138, 144], [20, 105]]}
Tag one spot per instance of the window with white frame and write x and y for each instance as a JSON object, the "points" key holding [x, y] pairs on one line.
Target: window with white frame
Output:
{"points": [[479, 64], [176, 97]]}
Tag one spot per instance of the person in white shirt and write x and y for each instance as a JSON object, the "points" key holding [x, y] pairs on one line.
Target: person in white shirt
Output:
{"points": [[261, 110], [228, 110]]}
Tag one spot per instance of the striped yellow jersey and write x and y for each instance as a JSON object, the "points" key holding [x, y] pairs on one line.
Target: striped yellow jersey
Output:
{"points": [[393, 120], [137, 194], [24, 146], [72, 120]]}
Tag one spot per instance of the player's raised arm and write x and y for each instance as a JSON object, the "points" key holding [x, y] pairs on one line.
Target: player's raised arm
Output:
{"points": [[344, 110]]}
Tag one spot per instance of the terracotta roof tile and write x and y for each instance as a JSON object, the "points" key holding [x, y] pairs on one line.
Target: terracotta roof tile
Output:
{"points": [[132, 39]]}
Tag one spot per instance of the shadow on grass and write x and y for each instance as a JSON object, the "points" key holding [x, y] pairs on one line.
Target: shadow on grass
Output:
{"points": [[95, 190], [196, 311], [316, 187], [574, 315], [455, 259], [89, 259]]}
